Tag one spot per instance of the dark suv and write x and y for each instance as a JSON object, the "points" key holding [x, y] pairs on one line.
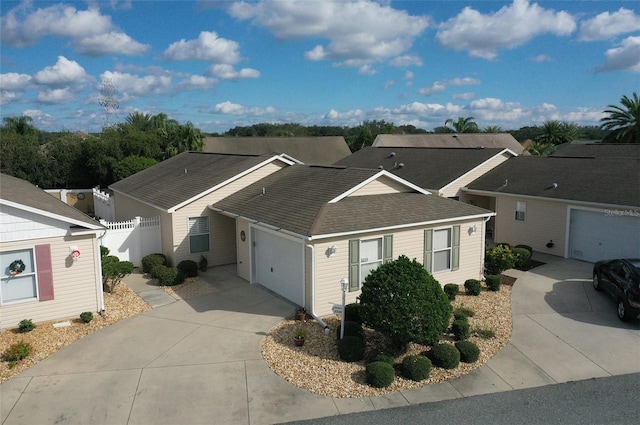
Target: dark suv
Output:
{"points": [[621, 280]]}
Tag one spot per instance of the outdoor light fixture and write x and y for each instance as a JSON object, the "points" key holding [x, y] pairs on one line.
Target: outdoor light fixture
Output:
{"points": [[344, 283], [473, 229], [332, 251]]}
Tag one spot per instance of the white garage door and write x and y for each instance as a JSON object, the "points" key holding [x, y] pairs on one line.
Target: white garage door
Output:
{"points": [[601, 235], [278, 265]]}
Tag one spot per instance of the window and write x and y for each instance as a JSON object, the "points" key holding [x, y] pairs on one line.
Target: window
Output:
{"points": [[521, 210], [198, 234], [442, 249], [22, 286], [366, 256]]}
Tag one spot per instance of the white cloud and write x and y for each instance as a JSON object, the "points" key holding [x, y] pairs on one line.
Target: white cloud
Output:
{"points": [[626, 57], [389, 83], [362, 31], [13, 81], [229, 108], [10, 96], [511, 26], [367, 70], [109, 43], [132, 86], [55, 96], [607, 25], [405, 60], [207, 47], [64, 72], [540, 58], [228, 72], [434, 88], [495, 110], [198, 82], [464, 96], [440, 86]]}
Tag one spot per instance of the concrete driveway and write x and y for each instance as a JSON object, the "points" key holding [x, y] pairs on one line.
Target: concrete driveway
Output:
{"points": [[198, 361]]}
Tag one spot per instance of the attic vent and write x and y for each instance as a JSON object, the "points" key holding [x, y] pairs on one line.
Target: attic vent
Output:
{"points": [[398, 165], [391, 155], [185, 171], [264, 191], [380, 167], [553, 186]]}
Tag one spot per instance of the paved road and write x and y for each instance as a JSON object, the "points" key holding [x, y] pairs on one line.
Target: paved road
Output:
{"points": [[612, 400]]}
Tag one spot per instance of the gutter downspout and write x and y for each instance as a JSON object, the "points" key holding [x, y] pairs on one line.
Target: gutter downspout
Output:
{"points": [[484, 245], [313, 289]]}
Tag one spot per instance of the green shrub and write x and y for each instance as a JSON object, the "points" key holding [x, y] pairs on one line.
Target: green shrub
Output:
{"points": [[499, 259], [485, 333], [383, 357], [472, 287], [401, 300], [451, 289], [104, 251], [113, 271], [469, 352], [152, 260], [461, 329], [445, 356], [503, 245], [523, 256], [188, 267], [463, 312], [17, 351], [351, 349], [493, 282], [26, 325], [351, 329], [416, 368], [380, 374], [352, 313], [167, 276], [86, 316], [527, 247]]}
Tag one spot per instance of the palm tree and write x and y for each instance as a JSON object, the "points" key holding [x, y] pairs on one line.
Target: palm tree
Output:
{"points": [[463, 125], [493, 129], [556, 132], [20, 125], [541, 148], [624, 124]]}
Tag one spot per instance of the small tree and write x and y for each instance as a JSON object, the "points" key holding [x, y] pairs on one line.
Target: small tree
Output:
{"points": [[402, 300], [113, 271]]}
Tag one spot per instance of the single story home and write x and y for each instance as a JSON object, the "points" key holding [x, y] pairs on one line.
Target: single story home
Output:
{"points": [[302, 229], [49, 256], [451, 140], [179, 191], [585, 208], [309, 150]]}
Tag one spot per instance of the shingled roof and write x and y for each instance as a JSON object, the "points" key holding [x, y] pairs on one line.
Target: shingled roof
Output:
{"points": [[21, 194], [297, 198], [430, 168], [309, 150], [595, 180], [185, 176], [599, 150], [450, 140]]}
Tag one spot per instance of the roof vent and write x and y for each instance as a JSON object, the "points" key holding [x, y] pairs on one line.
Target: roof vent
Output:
{"points": [[398, 165], [264, 191], [553, 186], [391, 155], [380, 167], [185, 171], [506, 182], [455, 135]]}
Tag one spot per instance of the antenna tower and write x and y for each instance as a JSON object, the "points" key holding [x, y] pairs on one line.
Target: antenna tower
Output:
{"points": [[109, 103]]}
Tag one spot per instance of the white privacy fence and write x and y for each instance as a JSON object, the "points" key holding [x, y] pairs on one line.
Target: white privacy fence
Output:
{"points": [[103, 205], [133, 239]]}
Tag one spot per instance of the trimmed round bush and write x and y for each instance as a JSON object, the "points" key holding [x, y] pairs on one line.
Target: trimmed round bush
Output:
{"points": [[523, 256], [152, 260], [380, 374], [384, 357], [451, 289], [26, 325], [445, 356], [188, 267], [493, 282], [527, 247], [167, 276], [472, 287], [351, 329], [469, 352], [352, 313], [461, 329], [351, 349], [417, 368], [499, 259], [86, 316]]}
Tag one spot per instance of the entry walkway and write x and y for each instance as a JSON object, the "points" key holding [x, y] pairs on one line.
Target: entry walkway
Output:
{"points": [[198, 361]]}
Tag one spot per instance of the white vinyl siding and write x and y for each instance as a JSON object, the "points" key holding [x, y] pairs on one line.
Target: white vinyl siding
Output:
{"points": [[18, 287], [198, 234]]}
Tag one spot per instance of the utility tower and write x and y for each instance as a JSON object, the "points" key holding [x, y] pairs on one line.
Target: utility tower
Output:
{"points": [[109, 103]]}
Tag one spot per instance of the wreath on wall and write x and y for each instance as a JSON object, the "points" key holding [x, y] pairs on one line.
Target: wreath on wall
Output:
{"points": [[17, 267]]}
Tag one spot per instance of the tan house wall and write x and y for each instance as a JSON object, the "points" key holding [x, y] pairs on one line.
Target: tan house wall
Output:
{"points": [[381, 186], [127, 208], [76, 286], [544, 221], [453, 189]]}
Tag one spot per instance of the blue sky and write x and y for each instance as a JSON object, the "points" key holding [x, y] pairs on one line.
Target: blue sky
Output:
{"points": [[221, 64]]}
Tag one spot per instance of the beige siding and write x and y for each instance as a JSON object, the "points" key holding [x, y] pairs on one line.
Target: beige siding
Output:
{"points": [[453, 189], [544, 221], [127, 208], [381, 186], [75, 283]]}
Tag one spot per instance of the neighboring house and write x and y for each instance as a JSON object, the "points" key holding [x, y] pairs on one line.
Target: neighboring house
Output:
{"points": [[599, 150], [309, 150], [441, 171], [584, 208], [181, 188], [44, 234], [81, 199], [451, 140], [304, 228]]}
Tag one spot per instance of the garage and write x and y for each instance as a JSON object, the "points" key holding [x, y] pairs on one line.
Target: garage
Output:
{"points": [[604, 234], [278, 264]]}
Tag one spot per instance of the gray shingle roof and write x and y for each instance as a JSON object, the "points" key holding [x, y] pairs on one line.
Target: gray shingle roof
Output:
{"points": [[599, 150], [450, 140], [429, 168], [24, 193], [296, 199], [598, 180], [184, 176], [309, 150]]}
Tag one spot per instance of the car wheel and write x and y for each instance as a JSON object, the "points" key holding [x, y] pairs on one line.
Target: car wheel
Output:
{"points": [[623, 311], [596, 282]]}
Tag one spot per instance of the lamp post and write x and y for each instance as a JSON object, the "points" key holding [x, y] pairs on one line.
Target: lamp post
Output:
{"points": [[344, 282]]}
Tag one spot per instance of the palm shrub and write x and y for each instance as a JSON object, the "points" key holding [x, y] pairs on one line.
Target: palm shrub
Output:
{"points": [[493, 282], [472, 287], [469, 352], [380, 374], [152, 260], [188, 267], [416, 368], [523, 256], [403, 301], [351, 348], [461, 329], [499, 259], [451, 289], [444, 355]]}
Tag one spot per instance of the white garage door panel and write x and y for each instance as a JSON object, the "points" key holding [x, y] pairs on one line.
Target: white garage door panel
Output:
{"points": [[279, 265], [598, 236]]}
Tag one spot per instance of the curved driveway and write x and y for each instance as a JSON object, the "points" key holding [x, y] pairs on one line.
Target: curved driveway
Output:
{"points": [[198, 361]]}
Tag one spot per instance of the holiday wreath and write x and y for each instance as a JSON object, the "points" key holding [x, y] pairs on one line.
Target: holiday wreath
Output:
{"points": [[16, 267]]}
